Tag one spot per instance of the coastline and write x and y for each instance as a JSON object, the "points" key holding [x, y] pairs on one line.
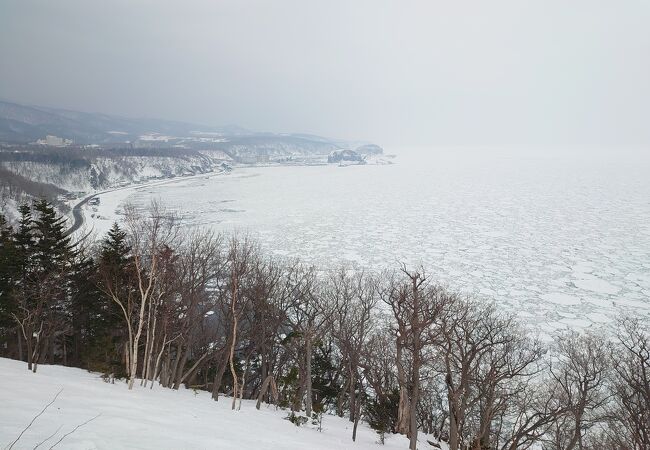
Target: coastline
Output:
{"points": [[108, 201]]}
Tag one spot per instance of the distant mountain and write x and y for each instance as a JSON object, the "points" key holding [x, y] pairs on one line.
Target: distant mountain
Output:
{"points": [[103, 151], [22, 124]]}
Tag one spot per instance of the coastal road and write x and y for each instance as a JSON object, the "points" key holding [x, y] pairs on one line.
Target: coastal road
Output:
{"points": [[77, 209], [78, 215]]}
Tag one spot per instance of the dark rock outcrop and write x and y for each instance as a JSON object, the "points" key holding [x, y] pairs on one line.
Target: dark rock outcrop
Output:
{"points": [[338, 156]]}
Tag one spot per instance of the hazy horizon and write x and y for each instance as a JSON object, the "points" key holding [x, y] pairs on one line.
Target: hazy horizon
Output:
{"points": [[503, 74]]}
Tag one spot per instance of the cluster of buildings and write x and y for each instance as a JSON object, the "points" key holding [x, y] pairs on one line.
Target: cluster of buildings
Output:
{"points": [[54, 141]]}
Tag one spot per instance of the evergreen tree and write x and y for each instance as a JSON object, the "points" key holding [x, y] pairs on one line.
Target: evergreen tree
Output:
{"points": [[22, 286], [53, 248], [326, 382], [114, 267], [115, 249], [24, 242], [89, 316], [8, 272], [45, 256], [381, 413]]}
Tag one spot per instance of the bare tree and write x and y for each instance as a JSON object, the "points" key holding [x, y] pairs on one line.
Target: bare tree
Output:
{"points": [[416, 305], [629, 413], [485, 358], [354, 299], [265, 319], [199, 264], [308, 317], [509, 359], [378, 368], [150, 235], [240, 256], [580, 374], [532, 410]]}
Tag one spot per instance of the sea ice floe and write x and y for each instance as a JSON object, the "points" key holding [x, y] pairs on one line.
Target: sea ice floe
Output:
{"points": [[596, 285], [560, 298], [555, 243]]}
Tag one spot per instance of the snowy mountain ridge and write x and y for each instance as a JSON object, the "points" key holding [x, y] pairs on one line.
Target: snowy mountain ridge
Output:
{"points": [[20, 124], [53, 152]]}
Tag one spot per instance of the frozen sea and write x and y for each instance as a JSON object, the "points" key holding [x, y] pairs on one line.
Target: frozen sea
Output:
{"points": [[563, 241]]}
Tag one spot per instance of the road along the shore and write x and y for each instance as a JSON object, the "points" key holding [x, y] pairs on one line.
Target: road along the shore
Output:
{"points": [[77, 209]]}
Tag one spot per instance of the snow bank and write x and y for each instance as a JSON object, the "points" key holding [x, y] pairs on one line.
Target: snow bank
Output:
{"points": [[152, 419]]}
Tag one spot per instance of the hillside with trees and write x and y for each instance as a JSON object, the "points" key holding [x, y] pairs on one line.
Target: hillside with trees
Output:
{"points": [[58, 154], [154, 303]]}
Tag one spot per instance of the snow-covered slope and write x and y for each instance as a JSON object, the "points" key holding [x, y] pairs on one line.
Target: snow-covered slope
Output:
{"points": [[103, 173], [21, 124], [152, 419]]}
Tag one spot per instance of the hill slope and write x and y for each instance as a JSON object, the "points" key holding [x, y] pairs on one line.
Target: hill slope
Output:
{"points": [[22, 124], [152, 419]]}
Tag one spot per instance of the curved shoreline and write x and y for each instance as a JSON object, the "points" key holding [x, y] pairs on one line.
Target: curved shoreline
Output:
{"points": [[77, 209]]}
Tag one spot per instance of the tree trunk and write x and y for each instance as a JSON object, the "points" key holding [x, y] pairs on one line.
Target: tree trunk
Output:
{"points": [[402, 425], [308, 388], [575, 439], [178, 376], [486, 420], [234, 340], [415, 393], [136, 342], [300, 394], [243, 384], [453, 424], [189, 372], [50, 350], [20, 347], [164, 372], [232, 363], [147, 343], [65, 351], [127, 356], [356, 424], [158, 358], [353, 396], [30, 354], [263, 389], [340, 400], [36, 354], [218, 377], [174, 368]]}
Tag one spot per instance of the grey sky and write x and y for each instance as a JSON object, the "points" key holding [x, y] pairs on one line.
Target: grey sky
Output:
{"points": [[546, 72]]}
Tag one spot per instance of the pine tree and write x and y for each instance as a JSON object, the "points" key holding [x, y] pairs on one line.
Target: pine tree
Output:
{"points": [[381, 413], [326, 383], [22, 289], [8, 272], [45, 257], [115, 249], [24, 242], [90, 318], [7, 259], [114, 269], [53, 248]]}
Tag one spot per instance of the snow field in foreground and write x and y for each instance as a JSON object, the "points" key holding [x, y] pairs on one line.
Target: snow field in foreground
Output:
{"points": [[153, 419]]}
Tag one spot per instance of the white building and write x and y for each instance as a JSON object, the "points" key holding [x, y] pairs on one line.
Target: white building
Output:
{"points": [[54, 141]]}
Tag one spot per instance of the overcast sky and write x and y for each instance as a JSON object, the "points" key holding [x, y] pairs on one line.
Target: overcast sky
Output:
{"points": [[517, 72]]}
